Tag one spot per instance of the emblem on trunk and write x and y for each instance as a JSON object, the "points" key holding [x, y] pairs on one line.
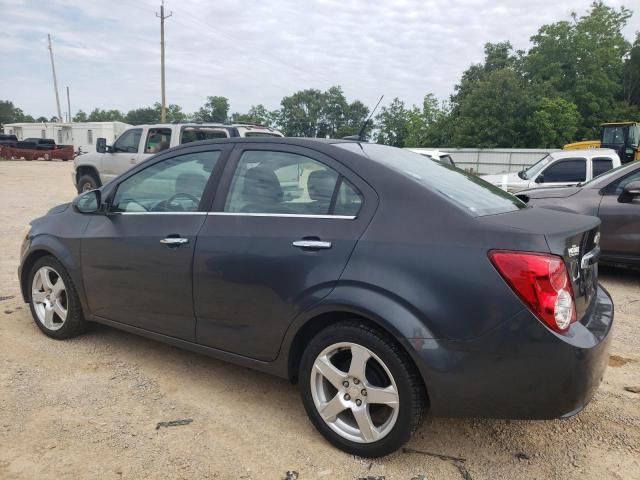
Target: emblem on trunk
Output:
{"points": [[573, 251]]}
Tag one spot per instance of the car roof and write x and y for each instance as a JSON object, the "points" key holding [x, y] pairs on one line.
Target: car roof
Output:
{"points": [[202, 124], [584, 152]]}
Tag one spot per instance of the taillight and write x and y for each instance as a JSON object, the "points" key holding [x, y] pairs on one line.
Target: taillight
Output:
{"points": [[542, 282]]}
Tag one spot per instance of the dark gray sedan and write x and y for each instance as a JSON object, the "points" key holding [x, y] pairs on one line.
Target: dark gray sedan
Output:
{"points": [[385, 283], [614, 197]]}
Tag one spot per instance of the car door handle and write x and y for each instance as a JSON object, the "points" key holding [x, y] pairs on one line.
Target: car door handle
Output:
{"points": [[174, 241], [312, 244]]}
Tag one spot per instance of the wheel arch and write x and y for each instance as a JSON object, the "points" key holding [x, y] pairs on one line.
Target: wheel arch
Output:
{"points": [[88, 170], [379, 311]]}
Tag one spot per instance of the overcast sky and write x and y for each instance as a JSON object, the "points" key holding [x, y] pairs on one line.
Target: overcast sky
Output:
{"points": [[108, 51]]}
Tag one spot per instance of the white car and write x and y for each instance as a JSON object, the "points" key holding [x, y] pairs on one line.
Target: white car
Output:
{"points": [[138, 143], [437, 155], [559, 169]]}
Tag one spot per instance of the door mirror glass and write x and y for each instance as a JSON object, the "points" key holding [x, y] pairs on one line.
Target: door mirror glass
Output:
{"points": [[630, 192], [101, 145], [88, 202]]}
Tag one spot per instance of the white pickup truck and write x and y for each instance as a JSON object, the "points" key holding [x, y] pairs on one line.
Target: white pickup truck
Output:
{"points": [[138, 143], [559, 169]]}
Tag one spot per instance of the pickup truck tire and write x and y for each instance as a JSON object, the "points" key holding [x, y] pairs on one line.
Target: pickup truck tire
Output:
{"points": [[87, 182]]}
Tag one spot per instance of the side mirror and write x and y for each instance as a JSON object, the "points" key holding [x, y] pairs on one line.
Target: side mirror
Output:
{"points": [[101, 145], [540, 178], [88, 202], [630, 193]]}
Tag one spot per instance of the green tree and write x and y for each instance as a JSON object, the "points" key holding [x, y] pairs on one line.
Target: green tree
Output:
{"points": [[257, 114], [301, 113], [174, 112], [9, 113], [99, 115], [81, 117], [141, 116], [632, 74], [554, 122], [583, 61], [216, 109], [393, 123]]}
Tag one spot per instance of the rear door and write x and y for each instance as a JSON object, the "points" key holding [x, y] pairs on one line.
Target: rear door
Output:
{"points": [[281, 233]]}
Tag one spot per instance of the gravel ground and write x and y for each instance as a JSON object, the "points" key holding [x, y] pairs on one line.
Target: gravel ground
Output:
{"points": [[90, 407]]}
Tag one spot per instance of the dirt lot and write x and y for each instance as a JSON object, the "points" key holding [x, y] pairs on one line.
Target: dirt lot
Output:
{"points": [[88, 408]]}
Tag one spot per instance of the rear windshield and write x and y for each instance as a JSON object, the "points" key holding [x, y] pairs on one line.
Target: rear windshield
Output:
{"points": [[475, 195]]}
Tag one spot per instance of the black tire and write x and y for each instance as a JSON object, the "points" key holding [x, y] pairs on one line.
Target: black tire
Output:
{"points": [[412, 397], [75, 323], [86, 182]]}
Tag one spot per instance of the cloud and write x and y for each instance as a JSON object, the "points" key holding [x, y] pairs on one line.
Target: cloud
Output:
{"points": [[256, 52]]}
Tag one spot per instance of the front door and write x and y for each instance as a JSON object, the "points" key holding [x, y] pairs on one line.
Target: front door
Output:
{"points": [[137, 260], [274, 245], [620, 230], [123, 155]]}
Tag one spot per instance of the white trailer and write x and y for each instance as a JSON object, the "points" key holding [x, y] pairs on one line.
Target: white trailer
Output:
{"points": [[81, 135]]}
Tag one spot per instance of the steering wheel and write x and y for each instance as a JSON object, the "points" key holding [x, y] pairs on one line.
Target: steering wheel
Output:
{"points": [[188, 196]]}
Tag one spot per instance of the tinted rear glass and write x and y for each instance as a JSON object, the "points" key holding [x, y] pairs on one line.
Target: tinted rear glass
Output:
{"points": [[475, 195]]}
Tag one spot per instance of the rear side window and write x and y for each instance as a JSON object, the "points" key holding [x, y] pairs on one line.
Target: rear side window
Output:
{"points": [[601, 165], [569, 171], [195, 134], [158, 139], [472, 193], [348, 199], [288, 184]]}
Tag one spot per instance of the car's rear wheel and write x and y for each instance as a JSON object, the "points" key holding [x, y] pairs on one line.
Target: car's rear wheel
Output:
{"points": [[53, 299], [87, 182], [361, 389]]}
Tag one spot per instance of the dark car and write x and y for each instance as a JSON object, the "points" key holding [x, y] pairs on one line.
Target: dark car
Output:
{"points": [[37, 144], [8, 140], [614, 197], [385, 283]]}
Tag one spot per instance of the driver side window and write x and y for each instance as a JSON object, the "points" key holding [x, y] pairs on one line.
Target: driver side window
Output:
{"points": [[128, 142], [172, 185]]}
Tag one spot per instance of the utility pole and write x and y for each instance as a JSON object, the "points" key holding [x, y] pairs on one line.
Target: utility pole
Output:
{"points": [[68, 104], [55, 80], [162, 17]]}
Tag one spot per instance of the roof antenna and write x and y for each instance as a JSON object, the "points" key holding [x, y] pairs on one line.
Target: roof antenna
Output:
{"points": [[358, 137]]}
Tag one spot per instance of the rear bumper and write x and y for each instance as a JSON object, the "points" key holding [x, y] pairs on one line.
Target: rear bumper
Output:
{"points": [[520, 369]]}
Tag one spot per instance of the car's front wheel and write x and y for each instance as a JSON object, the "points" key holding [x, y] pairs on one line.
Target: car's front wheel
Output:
{"points": [[53, 299], [361, 389]]}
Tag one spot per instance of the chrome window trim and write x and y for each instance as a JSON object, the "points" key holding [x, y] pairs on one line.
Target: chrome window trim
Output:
{"points": [[283, 215], [241, 214]]}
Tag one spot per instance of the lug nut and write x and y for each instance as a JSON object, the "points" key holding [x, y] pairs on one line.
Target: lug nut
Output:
{"points": [[358, 402], [347, 397], [364, 392], [346, 384]]}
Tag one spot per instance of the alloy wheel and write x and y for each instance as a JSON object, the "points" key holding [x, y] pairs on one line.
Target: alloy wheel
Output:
{"points": [[49, 298], [354, 392]]}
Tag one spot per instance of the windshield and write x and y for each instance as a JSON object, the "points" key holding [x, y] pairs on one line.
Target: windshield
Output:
{"points": [[603, 179], [475, 195], [534, 169], [613, 135]]}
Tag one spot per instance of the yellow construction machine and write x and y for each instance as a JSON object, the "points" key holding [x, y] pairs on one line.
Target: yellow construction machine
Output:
{"points": [[623, 137]]}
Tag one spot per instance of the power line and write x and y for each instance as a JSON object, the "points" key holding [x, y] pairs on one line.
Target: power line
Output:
{"points": [[162, 17]]}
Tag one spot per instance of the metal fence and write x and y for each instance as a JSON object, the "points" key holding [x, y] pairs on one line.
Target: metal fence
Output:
{"points": [[495, 160]]}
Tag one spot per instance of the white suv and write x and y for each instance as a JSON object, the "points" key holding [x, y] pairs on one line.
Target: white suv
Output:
{"points": [[138, 143], [559, 169]]}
